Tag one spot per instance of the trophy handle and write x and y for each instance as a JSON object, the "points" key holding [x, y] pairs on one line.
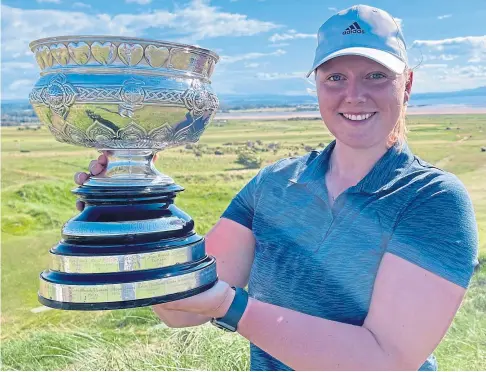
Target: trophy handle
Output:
{"points": [[130, 168]]}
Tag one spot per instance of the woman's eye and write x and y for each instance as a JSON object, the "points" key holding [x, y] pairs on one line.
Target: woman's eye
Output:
{"points": [[376, 75], [335, 78]]}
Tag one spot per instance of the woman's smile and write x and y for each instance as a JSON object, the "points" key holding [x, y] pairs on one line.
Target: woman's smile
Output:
{"points": [[358, 118]]}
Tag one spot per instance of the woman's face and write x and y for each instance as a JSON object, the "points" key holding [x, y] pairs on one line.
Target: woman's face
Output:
{"points": [[360, 100]]}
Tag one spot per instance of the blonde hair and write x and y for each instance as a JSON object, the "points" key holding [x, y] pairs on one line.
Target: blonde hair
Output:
{"points": [[399, 133]]}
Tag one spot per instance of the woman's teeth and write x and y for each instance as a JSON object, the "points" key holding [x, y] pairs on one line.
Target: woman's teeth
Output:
{"points": [[358, 117]]}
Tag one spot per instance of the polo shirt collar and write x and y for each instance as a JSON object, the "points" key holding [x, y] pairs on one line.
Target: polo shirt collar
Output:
{"points": [[385, 170]]}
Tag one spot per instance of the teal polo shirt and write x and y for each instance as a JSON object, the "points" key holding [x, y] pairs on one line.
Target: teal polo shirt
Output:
{"points": [[322, 260]]}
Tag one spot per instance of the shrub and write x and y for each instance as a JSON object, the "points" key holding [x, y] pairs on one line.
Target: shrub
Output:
{"points": [[249, 159]]}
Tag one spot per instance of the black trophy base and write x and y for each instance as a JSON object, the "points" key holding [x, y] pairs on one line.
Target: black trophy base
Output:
{"points": [[117, 305], [130, 247]]}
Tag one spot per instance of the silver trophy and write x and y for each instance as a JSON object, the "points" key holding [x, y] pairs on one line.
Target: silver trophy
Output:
{"points": [[131, 246]]}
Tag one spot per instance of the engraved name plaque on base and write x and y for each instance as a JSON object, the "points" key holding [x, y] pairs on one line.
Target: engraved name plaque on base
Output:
{"points": [[130, 98]]}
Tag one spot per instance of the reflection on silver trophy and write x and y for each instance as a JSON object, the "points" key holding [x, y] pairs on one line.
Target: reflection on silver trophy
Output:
{"points": [[131, 246]]}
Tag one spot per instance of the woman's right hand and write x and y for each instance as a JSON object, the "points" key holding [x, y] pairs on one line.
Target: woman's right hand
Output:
{"points": [[96, 168], [179, 319]]}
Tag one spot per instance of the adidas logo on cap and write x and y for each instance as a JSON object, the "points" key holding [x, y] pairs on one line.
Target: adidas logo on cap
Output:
{"points": [[353, 29]]}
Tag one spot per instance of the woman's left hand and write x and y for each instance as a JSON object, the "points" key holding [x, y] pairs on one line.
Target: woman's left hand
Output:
{"points": [[213, 303]]}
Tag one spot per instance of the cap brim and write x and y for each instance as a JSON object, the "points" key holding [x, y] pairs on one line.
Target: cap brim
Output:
{"points": [[386, 59]]}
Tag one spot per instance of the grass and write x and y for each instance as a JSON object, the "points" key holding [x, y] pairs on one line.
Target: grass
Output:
{"points": [[37, 176]]}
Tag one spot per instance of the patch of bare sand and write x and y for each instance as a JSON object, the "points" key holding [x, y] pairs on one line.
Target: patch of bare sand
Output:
{"points": [[270, 115]]}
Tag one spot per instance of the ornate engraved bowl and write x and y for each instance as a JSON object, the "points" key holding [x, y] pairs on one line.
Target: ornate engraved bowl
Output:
{"points": [[112, 92]]}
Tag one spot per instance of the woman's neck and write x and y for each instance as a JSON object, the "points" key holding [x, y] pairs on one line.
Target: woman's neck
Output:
{"points": [[349, 165]]}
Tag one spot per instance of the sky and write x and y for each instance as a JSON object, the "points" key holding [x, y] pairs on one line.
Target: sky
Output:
{"points": [[266, 46]]}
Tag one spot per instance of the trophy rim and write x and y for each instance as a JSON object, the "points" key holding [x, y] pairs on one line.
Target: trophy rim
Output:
{"points": [[76, 38]]}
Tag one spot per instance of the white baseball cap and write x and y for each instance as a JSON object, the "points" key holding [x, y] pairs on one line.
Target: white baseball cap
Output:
{"points": [[365, 31]]}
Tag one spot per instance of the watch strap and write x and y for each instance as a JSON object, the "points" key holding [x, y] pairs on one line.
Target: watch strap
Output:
{"points": [[232, 317]]}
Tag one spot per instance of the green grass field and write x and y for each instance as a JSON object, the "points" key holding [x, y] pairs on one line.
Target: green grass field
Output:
{"points": [[37, 175]]}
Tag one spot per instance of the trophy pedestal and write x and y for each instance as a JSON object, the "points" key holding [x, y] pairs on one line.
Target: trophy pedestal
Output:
{"points": [[130, 247]]}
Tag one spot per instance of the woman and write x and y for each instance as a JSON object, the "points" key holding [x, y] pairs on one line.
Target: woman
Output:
{"points": [[357, 257]]}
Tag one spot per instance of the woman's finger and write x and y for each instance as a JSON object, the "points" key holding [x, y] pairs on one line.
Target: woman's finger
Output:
{"points": [[103, 159], [107, 153], [80, 178], [95, 167], [79, 205]]}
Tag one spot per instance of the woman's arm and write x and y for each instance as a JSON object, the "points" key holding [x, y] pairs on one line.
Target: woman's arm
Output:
{"points": [[232, 243], [233, 247], [411, 310]]}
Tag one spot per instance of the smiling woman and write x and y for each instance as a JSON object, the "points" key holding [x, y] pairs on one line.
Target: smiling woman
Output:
{"points": [[356, 257], [355, 90]]}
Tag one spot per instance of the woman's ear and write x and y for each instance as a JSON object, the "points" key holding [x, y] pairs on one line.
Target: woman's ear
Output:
{"points": [[408, 86]]}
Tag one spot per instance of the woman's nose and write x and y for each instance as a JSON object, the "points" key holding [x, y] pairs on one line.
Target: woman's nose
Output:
{"points": [[355, 92]]}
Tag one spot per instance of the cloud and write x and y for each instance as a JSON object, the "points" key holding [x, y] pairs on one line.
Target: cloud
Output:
{"points": [[471, 47], [473, 71], [474, 59], [191, 22], [81, 5], [248, 56], [291, 35], [252, 65], [332, 9], [206, 21], [444, 16], [399, 22], [434, 65], [22, 26], [280, 76], [472, 41], [141, 2], [279, 45], [440, 57], [49, 1], [15, 66], [21, 84], [446, 57], [443, 78], [195, 22]]}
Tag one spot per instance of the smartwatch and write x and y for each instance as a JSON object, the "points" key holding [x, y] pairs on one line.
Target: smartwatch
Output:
{"points": [[229, 322]]}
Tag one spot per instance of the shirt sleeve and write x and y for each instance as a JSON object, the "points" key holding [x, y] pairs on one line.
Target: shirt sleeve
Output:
{"points": [[438, 231], [242, 207]]}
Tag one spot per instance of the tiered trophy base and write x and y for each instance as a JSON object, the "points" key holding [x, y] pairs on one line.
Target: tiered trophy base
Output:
{"points": [[130, 247]]}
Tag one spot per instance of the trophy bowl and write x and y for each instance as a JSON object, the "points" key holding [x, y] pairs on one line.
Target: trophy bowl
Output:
{"points": [[129, 98]]}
